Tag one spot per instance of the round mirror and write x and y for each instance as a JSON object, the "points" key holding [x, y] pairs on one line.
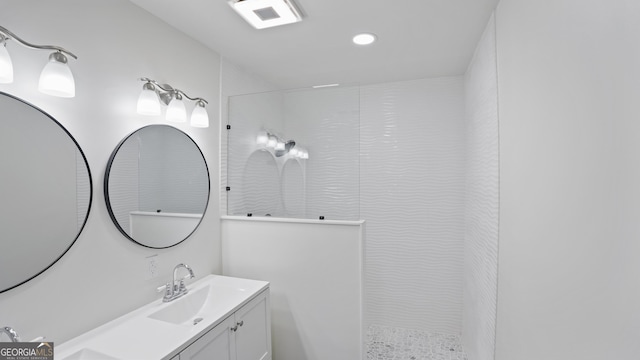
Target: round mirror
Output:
{"points": [[157, 186], [45, 191]]}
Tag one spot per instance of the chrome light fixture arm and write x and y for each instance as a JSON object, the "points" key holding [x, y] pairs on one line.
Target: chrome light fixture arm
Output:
{"points": [[168, 92], [6, 35]]}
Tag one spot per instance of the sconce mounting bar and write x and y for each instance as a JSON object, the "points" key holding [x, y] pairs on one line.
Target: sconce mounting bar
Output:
{"points": [[167, 88], [6, 34]]}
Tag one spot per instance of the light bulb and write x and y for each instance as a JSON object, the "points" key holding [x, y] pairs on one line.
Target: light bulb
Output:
{"points": [[56, 78], [293, 152], [272, 142], [262, 138], [148, 102], [176, 111], [279, 145], [6, 66], [199, 116]]}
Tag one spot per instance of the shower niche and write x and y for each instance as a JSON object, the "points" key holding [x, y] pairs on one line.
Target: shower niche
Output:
{"points": [[294, 154]]}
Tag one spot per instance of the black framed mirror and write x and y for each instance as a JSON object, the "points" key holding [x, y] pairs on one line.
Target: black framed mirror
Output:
{"points": [[157, 186], [45, 191]]}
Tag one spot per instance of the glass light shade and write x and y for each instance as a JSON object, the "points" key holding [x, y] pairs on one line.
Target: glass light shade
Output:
{"points": [[6, 66], [199, 117], [56, 78], [272, 142], [176, 111], [262, 138], [148, 103]]}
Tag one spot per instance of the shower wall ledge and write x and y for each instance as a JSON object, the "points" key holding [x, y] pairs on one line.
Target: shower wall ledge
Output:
{"points": [[295, 221]]}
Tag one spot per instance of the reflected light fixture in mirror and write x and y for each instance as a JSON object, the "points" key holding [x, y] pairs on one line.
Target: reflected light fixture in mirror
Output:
{"points": [[262, 138], [153, 94], [280, 147], [56, 78]]}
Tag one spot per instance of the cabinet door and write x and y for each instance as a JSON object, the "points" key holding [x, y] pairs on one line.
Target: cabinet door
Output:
{"points": [[217, 344], [253, 335]]}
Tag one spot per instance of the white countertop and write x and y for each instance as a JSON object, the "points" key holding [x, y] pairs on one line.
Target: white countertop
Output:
{"points": [[138, 336]]}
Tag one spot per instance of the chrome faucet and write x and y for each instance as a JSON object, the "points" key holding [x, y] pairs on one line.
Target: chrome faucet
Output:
{"points": [[12, 334], [176, 287]]}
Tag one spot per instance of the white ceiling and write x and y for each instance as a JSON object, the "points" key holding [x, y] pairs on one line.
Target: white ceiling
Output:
{"points": [[416, 38]]}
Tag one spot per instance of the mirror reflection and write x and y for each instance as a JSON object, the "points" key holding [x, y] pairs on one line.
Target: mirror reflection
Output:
{"points": [[45, 191], [157, 186]]}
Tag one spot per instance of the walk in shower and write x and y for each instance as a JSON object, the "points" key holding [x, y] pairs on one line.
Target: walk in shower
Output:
{"points": [[418, 162]]}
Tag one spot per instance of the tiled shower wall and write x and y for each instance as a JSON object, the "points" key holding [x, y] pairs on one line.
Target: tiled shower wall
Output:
{"points": [[326, 122], [482, 204], [410, 184], [412, 198]]}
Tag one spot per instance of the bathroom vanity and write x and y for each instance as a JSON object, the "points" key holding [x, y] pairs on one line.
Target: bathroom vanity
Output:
{"points": [[221, 318]]}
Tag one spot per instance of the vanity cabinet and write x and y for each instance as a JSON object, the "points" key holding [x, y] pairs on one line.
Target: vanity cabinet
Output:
{"points": [[244, 335]]}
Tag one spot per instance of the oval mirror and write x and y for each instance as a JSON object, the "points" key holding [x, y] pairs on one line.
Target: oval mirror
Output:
{"points": [[45, 191], [157, 186]]}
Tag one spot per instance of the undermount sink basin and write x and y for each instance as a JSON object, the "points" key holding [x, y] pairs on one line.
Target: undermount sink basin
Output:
{"points": [[197, 305], [183, 310], [88, 354]]}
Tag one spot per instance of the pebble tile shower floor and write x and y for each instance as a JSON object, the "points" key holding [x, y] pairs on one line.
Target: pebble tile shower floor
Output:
{"points": [[389, 343]]}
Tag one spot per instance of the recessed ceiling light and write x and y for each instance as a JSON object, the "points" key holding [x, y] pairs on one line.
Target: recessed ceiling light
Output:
{"points": [[364, 39], [266, 13]]}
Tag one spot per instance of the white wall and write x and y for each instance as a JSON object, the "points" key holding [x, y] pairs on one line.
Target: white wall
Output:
{"points": [[412, 197], [102, 275], [315, 271], [482, 200], [569, 84]]}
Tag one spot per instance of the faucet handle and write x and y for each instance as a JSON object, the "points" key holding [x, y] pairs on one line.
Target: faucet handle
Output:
{"points": [[182, 288], [13, 335], [168, 288]]}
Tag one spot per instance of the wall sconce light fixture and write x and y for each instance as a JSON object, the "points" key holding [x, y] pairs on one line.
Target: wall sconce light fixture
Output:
{"points": [[56, 78], [280, 147], [153, 94]]}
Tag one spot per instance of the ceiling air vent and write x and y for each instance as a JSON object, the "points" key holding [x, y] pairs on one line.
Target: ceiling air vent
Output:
{"points": [[266, 13]]}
